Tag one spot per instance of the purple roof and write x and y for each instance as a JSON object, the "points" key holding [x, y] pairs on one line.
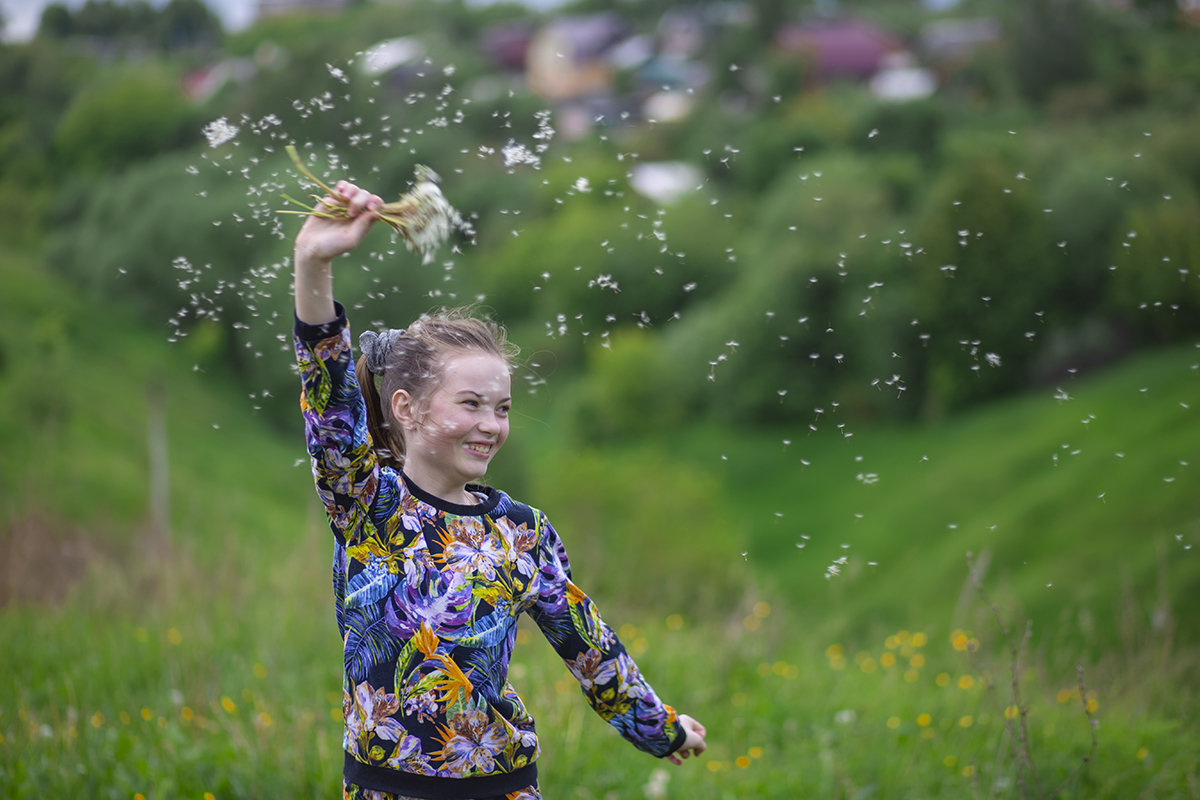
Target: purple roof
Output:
{"points": [[840, 48]]}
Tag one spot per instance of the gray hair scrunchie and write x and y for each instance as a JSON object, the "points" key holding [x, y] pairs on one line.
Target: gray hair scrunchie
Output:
{"points": [[376, 346]]}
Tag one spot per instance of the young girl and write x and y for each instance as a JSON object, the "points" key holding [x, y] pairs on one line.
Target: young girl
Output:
{"points": [[431, 568]]}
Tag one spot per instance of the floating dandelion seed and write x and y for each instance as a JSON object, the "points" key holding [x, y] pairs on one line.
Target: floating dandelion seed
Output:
{"points": [[516, 153], [219, 131], [604, 282], [835, 568]]}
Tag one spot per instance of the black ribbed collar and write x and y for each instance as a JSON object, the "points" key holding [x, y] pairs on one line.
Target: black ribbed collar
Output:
{"points": [[485, 506]]}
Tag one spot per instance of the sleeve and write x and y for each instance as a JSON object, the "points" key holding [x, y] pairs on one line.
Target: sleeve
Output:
{"points": [[335, 426], [608, 676]]}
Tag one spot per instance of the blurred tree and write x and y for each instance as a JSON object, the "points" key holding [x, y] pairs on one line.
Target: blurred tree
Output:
{"points": [[186, 25], [1157, 268], [1050, 42], [807, 314], [126, 116], [40, 77], [769, 17], [1160, 12], [914, 127], [984, 283], [1056, 44], [631, 388], [56, 22], [106, 19]]}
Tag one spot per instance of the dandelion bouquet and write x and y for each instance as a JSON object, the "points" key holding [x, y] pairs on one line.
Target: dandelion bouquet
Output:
{"points": [[422, 216]]}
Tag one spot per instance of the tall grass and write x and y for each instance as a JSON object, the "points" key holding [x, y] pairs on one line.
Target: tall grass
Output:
{"points": [[203, 660]]}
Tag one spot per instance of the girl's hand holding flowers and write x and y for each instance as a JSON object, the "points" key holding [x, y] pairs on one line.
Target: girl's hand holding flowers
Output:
{"points": [[339, 222], [422, 216]]}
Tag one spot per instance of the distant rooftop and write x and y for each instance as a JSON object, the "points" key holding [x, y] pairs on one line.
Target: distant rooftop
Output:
{"points": [[275, 8]]}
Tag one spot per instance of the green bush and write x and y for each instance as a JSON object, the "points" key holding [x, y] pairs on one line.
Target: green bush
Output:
{"points": [[986, 277], [631, 388], [124, 117], [1157, 268]]}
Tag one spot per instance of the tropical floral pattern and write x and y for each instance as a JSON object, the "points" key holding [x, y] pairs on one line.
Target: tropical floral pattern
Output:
{"points": [[427, 597]]}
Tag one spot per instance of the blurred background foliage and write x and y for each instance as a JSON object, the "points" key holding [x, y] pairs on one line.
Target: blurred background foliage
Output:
{"points": [[880, 238], [798, 187]]}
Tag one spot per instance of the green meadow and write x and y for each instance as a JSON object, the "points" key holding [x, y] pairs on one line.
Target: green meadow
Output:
{"points": [[996, 605]]}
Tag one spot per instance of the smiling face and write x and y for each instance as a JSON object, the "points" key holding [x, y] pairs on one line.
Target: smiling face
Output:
{"points": [[453, 433]]}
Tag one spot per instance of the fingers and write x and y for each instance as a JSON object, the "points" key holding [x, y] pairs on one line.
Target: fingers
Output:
{"points": [[679, 755], [356, 198], [694, 744], [693, 724]]}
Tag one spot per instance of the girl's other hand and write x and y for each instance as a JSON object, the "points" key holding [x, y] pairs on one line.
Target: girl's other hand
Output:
{"points": [[694, 744], [322, 239]]}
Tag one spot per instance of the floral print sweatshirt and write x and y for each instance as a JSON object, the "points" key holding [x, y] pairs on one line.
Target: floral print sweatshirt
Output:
{"points": [[427, 596]]}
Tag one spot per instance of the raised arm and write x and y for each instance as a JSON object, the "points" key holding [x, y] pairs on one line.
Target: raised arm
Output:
{"points": [[320, 241], [344, 464]]}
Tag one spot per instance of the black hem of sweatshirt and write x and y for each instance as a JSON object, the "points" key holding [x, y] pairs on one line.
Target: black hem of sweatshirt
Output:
{"points": [[406, 783]]}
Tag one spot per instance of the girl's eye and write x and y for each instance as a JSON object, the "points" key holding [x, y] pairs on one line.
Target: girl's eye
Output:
{"points": [[471, 403], [503, 410]]}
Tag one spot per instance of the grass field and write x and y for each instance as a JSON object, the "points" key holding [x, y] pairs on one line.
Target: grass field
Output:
{"points": [[202, 660]]}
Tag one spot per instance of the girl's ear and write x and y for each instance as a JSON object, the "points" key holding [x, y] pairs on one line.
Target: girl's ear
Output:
{"points": [[404, 410]]}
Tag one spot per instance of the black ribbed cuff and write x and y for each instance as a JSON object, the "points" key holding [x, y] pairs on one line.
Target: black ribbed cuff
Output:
{"points": [[315, 333]]}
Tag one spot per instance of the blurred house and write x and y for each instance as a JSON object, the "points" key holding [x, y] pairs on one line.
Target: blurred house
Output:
{"points": [[573, 61], [506, 44], [276, 8], [664, 182], [383, 58], [953, 41], [838, 49], [900, 78], [570, 57], [683, 31], [200, 84]]}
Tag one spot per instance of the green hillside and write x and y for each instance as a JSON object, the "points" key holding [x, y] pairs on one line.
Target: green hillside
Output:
{"points": [[203, 659]]}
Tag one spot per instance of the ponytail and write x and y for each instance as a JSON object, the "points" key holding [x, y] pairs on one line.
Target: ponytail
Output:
{"points": [[387, 439]]}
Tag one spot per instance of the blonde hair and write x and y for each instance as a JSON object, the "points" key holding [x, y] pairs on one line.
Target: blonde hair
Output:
{"points": [[410, 360]]}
